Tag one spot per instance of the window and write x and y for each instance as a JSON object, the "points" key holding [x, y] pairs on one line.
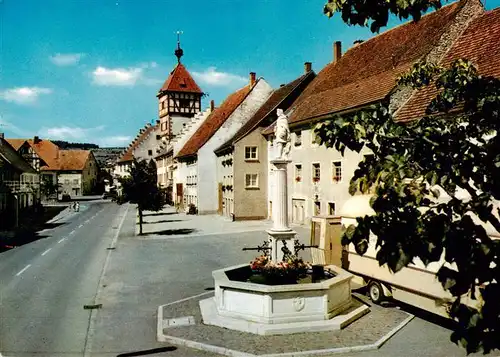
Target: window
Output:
{"points": [[298, 138], [317, 208], [150, 152], [251, 153], [184, 103], [331, 208], [158, 137], [66, 182], [314, 137], [251, 180], [298, 172], [75, 182], [316, 172], [337, 171]]}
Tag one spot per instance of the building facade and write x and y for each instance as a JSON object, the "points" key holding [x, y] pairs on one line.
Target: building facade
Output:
{"points": [[242, 163], [366, 74], [197, 157]]}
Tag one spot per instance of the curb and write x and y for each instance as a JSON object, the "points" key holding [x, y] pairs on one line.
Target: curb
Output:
{"points": [[161, 337], [66, 212]]}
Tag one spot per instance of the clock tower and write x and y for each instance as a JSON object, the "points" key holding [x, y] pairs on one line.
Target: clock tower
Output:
{"points": [[179, 99]]}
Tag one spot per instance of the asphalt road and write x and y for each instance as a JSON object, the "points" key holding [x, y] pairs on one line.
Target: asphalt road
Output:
{"points": [[44, 285]]}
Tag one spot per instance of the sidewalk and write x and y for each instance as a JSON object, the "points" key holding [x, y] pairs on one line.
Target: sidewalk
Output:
{"points": [[167, 224]]}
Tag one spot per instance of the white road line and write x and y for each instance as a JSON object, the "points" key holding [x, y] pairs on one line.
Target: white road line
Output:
{"points": [[48, 250], [87, 221], [24, 269], [80, 226], [59, 241], [87, 347], [72, 232]]}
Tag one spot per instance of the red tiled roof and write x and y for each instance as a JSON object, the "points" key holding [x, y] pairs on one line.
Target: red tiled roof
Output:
{"points": [[214, 121], [180, 80], [48, 152], [16, 143], [128, 155], [275, 101], [480, 43], [367, 72], [55, 158], [73, 160], [10, 155]]}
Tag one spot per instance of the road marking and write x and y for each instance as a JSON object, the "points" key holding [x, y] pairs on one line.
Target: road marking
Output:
{"points": [[24, 269], [87, 221], [80, 226], [59, 241], [72, 232], [87, 347], [48, 250]]}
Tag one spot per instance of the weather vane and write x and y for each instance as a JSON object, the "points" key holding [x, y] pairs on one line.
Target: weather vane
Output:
{"points": [[178, 51]]}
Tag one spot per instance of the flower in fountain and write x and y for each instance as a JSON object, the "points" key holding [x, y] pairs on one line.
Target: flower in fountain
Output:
{"points": [[288, 271]]}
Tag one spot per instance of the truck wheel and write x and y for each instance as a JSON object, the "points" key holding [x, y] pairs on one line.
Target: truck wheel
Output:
{"points": [[376, 292]]}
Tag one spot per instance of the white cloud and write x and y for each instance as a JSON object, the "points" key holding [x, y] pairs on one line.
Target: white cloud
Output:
{"points": [[117, 76], [66, 59], [112, 141], [212, 77], [69, 133], [23, 95]]}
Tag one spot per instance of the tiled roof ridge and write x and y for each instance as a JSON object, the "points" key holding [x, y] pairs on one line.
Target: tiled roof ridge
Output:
{"points": [[400, 27], [249, 88], [460, 3], [167, 146], [128, 154], [180, 70], [473, 44], [294, 85]]}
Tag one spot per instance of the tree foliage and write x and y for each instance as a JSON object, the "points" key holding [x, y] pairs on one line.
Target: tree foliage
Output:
{"points": [[375, 13], [419, 172], [48, 188], [141, 188], [455, 147]]}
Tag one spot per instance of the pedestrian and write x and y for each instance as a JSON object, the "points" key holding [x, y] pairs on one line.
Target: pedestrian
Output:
{"points": [[77, 206]]}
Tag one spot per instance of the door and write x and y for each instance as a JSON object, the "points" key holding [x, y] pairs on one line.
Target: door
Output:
{"points": [[298, 211], [180, 194], [220, 205]]}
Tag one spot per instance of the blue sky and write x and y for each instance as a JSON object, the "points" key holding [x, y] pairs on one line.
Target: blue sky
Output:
{"points": [[89, 70]]}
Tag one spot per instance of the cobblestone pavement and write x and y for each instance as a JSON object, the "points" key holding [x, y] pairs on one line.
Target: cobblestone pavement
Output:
{"points": [[364, 331], [144, 273]]}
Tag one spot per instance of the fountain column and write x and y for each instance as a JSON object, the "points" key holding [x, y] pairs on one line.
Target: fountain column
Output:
{"points": [[280, 232]]}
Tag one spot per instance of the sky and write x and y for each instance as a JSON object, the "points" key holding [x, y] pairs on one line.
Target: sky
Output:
{"points": [[89, 70]]}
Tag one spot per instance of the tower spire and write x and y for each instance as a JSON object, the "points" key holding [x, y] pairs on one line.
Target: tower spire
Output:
{"points": [[179, 52]]}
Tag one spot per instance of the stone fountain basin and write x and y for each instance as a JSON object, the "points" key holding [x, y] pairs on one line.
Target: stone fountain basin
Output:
{"points": [[278, 304]]}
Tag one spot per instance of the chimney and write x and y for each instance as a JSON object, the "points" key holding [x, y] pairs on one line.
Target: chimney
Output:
{"points": [[337, 50], [282, 85], [252, 78], [357, 42], [212, 105], [36, 140], [307, 67]]}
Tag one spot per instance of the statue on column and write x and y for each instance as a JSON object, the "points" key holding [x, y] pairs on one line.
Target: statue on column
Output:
{"points": [[282, 133]]}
